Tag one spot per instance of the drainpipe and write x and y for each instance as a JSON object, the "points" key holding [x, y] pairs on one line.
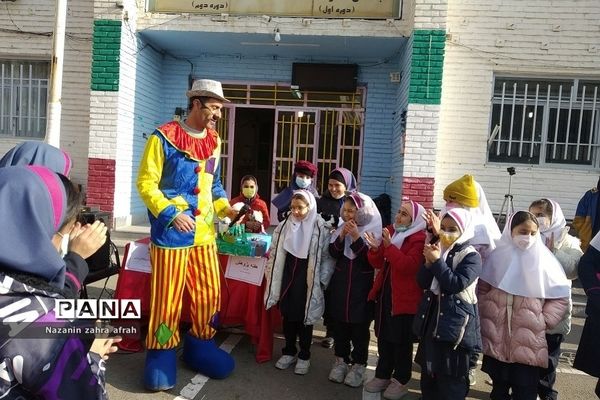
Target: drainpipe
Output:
{"points": [[56, 75]]}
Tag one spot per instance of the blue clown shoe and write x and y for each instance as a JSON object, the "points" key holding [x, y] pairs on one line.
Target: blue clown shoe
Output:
{"points": [[160, 369], [205, 357]]}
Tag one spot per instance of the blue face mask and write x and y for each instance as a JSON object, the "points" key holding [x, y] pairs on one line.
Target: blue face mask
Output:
{"points": [[303, 183], [401, 228]]}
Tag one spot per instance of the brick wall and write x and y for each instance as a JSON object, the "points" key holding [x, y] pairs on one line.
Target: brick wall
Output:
{"points": [[419, 190], [506, 38], [101, 184], [38, 16], [106, 50]]}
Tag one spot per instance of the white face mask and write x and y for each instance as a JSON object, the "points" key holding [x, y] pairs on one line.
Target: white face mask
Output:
{"points": [[64, 245], [303, 183], [544, 223], [523, 241]]}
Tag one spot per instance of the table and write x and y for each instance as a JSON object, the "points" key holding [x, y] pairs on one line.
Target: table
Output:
{"points": [[241, 304]]}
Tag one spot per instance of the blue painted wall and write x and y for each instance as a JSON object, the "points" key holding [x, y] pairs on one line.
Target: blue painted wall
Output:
{"points": [[380, 106]]}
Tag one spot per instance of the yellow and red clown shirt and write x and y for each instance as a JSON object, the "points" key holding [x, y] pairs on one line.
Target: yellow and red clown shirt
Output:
{"points": [[179, 173]]}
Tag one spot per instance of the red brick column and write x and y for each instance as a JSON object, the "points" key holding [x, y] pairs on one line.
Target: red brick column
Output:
{"points": [[101, 184], [419, 190]]}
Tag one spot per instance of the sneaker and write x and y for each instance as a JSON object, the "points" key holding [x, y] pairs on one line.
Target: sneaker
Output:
{"points": [[354, 377], [377, 385], [302, 367], [472, 377], [285, 362], [327, 342], [338, 371], [395, 390]]}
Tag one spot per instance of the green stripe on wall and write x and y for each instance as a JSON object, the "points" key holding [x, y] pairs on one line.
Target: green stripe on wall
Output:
{"points": [[426, 67], [105, 55]]}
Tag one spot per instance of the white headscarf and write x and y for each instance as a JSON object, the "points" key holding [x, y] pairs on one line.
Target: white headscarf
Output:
{"points": [[297, 233], [534, 272], [464, 219], [558, 224], [417, 224], [367, 218]]}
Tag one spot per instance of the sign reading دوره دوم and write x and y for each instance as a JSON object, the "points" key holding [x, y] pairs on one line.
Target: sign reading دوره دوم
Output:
{"points": [[298, 8]]}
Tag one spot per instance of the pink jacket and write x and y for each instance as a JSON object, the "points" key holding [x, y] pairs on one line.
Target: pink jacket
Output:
{"points": [[517, 333]]}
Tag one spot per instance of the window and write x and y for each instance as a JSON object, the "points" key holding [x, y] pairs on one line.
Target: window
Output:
{"points": [[23, 98], [545, 121]]}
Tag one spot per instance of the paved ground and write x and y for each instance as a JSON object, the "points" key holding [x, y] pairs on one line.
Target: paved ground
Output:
{"points": [[262, 381]]}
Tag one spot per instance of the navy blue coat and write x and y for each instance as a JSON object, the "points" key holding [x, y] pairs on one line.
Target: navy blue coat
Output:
{"points": [[458, 320]]}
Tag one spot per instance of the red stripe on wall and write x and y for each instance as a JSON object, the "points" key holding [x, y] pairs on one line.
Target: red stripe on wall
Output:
{"points": [[419, 190], [100, 191]]}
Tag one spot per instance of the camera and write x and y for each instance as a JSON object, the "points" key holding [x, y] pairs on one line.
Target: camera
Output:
{"points": [[511, 170]]}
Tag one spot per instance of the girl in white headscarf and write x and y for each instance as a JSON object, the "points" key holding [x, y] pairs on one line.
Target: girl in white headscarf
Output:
{"points": [[297, 272], [447, 319], [397, 296], [349, 288], [523, 293], [567, 250]]}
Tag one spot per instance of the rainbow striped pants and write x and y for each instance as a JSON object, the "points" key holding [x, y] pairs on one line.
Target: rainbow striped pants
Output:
{"points": [[198, 269]]}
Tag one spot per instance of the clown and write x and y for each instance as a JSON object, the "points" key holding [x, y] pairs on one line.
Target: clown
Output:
{"points": [[179, 181]]}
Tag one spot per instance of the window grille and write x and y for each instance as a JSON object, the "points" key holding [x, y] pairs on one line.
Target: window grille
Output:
{"points": [[23, 98], [545, 121]]}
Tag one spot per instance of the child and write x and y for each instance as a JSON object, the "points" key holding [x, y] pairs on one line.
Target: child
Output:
{"points": [[397, 296], [33, 204], [523, 293], [588, 351], [349, 289], [340, 181], [467, 193], [554, 231], [304, 176], [447, 319], [256, 219], [297, 271]]}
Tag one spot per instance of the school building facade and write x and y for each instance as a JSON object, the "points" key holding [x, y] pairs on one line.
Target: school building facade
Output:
{"points": [[442, 88]]}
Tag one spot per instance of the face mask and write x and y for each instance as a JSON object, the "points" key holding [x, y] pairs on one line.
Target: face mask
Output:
{"points": [[64, 245], [523, 241], [448, 238], [401, 228], [302, 182], [248, 192], [544, 223]]}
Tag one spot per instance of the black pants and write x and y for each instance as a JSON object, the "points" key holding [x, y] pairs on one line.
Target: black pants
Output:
{"points": [[444, 387], [293, 331], [548, 375], [500, 391], [395, 360], [351, 342]]}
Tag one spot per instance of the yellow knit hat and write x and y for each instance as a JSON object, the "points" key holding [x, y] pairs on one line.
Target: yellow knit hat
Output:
{"points": [[463, 192]]}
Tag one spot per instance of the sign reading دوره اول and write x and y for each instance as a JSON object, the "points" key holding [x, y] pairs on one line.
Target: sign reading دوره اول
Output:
{"points": [[298, 8]]}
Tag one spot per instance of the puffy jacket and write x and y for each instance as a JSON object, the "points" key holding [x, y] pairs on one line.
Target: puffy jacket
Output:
{"points": [[457, 317], [513, 328], [320, 268], [404, 263]]}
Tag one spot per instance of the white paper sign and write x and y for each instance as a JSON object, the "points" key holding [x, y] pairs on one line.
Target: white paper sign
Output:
{"points": [[246, 269], [138, 257]]}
